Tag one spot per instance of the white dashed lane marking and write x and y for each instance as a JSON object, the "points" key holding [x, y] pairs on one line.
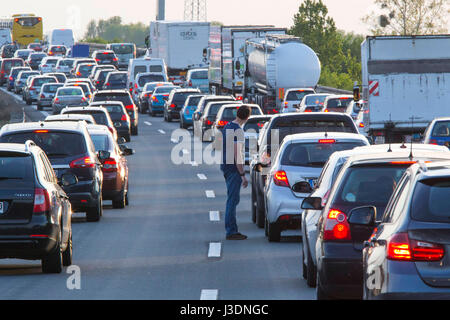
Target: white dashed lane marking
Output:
{"points": [[210, 194], [201, 176], [215, 250], [214, 216], [209, 294]]}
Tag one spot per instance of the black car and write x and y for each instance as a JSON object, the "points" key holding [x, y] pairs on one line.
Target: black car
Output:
{"points": [[35, 59], [116, 80], [287, 124], [8, 50], [100, 77], [70, 151], [365, 180], [176, 101], [119, 116], [125, 98], [35, 213], [105, 57]]}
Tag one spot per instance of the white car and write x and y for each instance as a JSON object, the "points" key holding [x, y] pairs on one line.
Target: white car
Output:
{"points": [[64, 65], [294, 173], [146, 77], [143, 65], [293, 98], [313, 102], [48, 64]]}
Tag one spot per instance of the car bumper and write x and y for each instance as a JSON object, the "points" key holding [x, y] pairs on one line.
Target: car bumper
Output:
{"points": [[175, 114], [340, 270], [112, 185], [45, 102], [282, 202], [17, 242]]}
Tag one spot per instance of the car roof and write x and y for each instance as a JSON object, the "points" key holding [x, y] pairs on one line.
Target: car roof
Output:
{"points": [[97, 128], [85, 108], [29, 126], [442, 119], [69, 116], [312, 115], [325, 135], [432, 170], [105, 103], [111, 91], [15, 147], [384, 157], [334, 96], [177, 90], [400, 146]]}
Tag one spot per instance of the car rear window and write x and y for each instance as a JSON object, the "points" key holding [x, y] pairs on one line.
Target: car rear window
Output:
{"points": [[16, 170], [430, 200], [193, 101], [156, 68], [101, 142], [40, 81], [37, 56], [54, 143], [26, 75], [441, 129], [179, 98], [99, 116], [114, 109], [199, 75], [105, 56], [66, 63], [338, 104], [149, 78], [139, 69], [231, 113], [51, 61], [15, 72], [51, 88], [124, 98], [163, 90], [86, 68], [58, 49], [122, 49], [369, 185], [255, 125], [117, 77], [70, 92], [315, 100], [297, 95], [9, 64], [313, 154]]}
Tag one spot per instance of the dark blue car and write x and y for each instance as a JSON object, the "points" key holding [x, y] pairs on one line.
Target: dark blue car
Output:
{"points": [[438, 132]]}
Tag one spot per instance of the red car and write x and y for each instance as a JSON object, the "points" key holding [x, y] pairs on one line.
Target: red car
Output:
{"points": [[115, 167], [7, 65]]}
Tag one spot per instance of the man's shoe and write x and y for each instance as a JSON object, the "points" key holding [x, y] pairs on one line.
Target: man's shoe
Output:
{"points": [[237, 236]]}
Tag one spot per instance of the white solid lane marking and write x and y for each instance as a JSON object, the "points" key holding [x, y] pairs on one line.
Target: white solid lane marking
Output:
{"points": [[148, 123], [161, 131], [210, 194], [201, 176], [215, 250], [214, 216], [209, 294]]}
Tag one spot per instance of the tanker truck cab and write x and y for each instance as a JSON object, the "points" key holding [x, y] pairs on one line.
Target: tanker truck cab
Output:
{"points": [[293, 98]]}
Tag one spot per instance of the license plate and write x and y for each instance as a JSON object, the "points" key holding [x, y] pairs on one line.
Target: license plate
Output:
{"points": [[1, 207], [107, 61]]}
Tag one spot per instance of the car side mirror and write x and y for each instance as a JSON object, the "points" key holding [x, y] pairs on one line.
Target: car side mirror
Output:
{"points": [[68, 179], [125, 150], [103, 155], [363, 216], [302, 187], [312, 203]]}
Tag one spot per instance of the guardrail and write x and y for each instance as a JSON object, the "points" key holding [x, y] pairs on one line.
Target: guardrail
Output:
{"points": [[322, 89]]}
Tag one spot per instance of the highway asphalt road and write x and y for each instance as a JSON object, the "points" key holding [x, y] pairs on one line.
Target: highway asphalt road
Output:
{"points": [[164, 245]]}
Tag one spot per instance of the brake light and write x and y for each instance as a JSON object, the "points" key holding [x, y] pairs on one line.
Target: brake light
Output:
{"points": [[40, 131], [190, 83], [115, 59], [42, 96], [129, 107], [207, 122], [110, 165], [336, 227], [135, 86], [111, 130], [239, 98], [41, 201], [400, 247], [327, 141], [154, 98], [326, 110], [260, 125], [280, 179], [222, 123], [32, 89], [173, 105], [78, 73], [11, 79], [85, 162], [186, 111], [433, 141], [403, 162], [56, 99], [107, 84], [361, 125]]}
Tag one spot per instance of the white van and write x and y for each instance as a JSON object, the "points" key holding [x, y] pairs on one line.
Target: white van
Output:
{"points": [[5, 36], [144, 65], [124, 52], [62, 37]]}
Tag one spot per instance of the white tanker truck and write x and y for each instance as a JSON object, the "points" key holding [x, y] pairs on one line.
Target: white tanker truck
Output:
{"points": [[275, 64]]}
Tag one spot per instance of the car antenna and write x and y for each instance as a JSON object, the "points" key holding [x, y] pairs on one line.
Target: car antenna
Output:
{"points": [[390, 147], [411, 157]]}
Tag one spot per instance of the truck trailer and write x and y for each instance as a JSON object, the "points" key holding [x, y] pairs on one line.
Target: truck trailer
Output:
{"points": [[274, 64], [406, 83]]}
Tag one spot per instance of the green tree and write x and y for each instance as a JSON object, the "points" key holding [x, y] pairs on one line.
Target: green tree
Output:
{"points": [[409, 17]]}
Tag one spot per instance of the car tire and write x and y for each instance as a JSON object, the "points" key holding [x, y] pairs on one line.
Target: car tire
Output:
{"points": [[320, 293], [127, 137], [266, 228], [311, 271], [94, 214], [53, 262], [260, 215], [67, 255], [304, 270], [39, 107], [253, 206], [120, 201], [28, 101], [134, 131], [274, 232], [169, 118]]}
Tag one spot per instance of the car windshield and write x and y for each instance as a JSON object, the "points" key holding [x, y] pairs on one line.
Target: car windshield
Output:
{"points": [[368, 185], [200, 75], [16, 168], [163, 90], [230, 114], [297, 95], [54, 143], [441, 129], [122, 49], [338, 104], [101, 142], [313, 154], [70, 92], [315, 100], [430, 200], [40, 81], [149, 78]]}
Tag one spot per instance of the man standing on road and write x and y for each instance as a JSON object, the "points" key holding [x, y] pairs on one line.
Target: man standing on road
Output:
{"points": [[233, 169]]}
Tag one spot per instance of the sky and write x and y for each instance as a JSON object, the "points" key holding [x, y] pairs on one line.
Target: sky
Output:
{"points": [[76, 14]]}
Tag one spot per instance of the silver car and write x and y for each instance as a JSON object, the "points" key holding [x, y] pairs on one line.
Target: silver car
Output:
{"points": [[22, 78], [47, 94], [68, 96], [294, 173], [33, 88], [48, 64]]}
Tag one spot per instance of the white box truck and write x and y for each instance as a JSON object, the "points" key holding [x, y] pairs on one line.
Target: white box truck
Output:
{"points": [[406, 83], [180, 44]]}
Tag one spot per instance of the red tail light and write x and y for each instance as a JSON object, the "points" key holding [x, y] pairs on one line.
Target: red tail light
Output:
{"points": [[433, 141], [32, 89], [222, 123], [85, 162], [135, 86], [280, 179], [361, 125], [115, 59], [124, 118], [336, 227], [11, 79], [56, 99], [173, 105], [111, 130], [97, 60], [207, 122], [154, 98], [41, 201], [400, 247], [78, 73], [129, 107], [107, 84], [190, 83], [42, 96], [110, 165]]}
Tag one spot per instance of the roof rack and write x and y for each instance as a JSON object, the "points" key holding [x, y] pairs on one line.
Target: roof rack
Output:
{"points": [[423, 166], [29, 144]]}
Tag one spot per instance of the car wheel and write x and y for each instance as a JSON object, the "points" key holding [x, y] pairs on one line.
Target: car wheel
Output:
{"points": [[320, 293], [67, 255], [253, 206], [274, 232], [304, 272], [28, 101], [127, 137], [134, 131], [39, 107], [169, 118], [94, 214], [127, 201], [311, 271], [120, 201], [266, 228], [53, 262], [260, 215]]}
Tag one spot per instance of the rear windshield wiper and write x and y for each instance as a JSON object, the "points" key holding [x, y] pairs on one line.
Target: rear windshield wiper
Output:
{"points": [[11, 178]]}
